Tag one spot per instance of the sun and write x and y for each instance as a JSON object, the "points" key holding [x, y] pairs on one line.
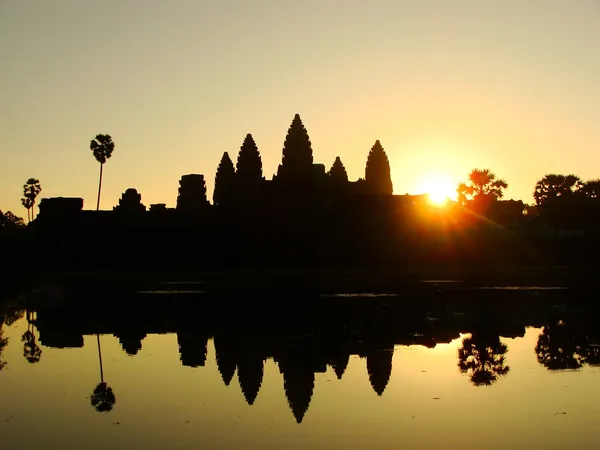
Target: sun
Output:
{"points": [[439, 190]]}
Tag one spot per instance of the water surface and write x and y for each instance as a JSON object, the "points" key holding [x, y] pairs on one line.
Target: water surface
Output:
{"points": [[487, 378]]}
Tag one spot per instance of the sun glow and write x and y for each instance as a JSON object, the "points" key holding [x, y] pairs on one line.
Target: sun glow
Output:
{"points": [[439, 190]]}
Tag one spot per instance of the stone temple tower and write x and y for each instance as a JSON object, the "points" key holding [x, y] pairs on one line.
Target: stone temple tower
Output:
{"points": [[192, 194]]}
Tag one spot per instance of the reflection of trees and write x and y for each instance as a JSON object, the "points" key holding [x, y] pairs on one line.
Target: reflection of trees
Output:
{"points": [[31, 351], [8, 316], [482, 356], [103, 397], [3, 343], [560, 346]]}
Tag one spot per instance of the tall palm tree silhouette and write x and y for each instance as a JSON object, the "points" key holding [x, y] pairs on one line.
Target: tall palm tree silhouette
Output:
{"points": [[103, 397], [102, 147]]}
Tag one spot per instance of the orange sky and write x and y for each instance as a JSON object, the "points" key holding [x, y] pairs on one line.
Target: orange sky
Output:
{"points": [[446, 86]]}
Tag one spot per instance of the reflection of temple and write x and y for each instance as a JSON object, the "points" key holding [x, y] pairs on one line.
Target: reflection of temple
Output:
{"points": [[304, 343]]}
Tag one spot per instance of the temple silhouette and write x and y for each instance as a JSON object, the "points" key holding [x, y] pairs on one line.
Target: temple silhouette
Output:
{"points": [[305, 213]]}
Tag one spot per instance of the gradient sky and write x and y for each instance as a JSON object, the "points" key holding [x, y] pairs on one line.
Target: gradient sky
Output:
{"points": [[447, 86]]}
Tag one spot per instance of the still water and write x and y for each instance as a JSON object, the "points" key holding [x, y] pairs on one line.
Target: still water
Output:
{"points": [[522, 376]]}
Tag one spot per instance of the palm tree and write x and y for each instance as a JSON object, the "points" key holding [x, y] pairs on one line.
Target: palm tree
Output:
{"points": [[102, 147], [31, 189], [103, 397], [481, 183], [27, 204]]}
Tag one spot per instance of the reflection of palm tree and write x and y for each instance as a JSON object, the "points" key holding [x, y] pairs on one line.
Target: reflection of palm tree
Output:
{"points": [[559, 347], [103, 398], [482, 357], [31, 351]]}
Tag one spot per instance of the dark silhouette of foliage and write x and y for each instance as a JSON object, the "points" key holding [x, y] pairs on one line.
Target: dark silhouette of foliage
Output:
{"points": [[378, 178], [130, 202], [31, 351], [9, 220], [379, 368], [337, 173], [102, 146], [28, 205], [103, 398], [31, 190], [3, 344], [249, 163], [224, 182], [296, 165], [591, 189], [554, 187], [482, 356], [482, 185], [560, 346]]}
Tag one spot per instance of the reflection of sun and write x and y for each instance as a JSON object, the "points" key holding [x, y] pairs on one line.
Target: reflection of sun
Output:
{"points": [[438, 189]]}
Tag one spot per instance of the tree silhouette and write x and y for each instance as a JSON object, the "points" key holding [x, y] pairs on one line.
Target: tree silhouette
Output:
{"points": [[482, 356], [482, 185], [591, 189], [130, 202], [224, 182], [378, 179], [31, 189], [3, 344], [560, 346], [102, 147], [249, 163], [554, 187], [103, 398], [27, 204], [296, 165], [9, 220], [31, 351], [337, 173]]}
